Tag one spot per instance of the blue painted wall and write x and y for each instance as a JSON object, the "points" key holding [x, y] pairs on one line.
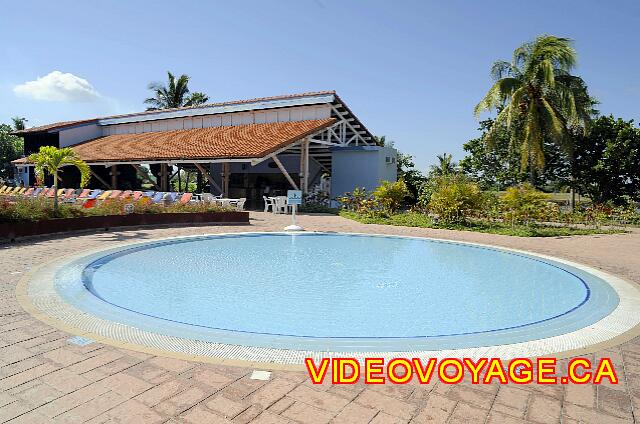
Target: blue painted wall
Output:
{"points": [[361, 166]]}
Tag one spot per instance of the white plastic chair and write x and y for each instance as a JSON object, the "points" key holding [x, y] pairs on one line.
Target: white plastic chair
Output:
{"points": [[268, 203], [280, 205], [240, 204], [207, 197]]}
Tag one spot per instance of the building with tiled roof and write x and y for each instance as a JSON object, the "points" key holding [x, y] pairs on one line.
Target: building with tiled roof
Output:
{"points": [[244, 148]]}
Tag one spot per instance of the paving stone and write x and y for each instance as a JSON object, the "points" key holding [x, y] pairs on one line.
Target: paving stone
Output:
{"points": [[226, 407], [388, 404], [499, 418], [383, 418], [271, 392], [27, 375], [307, 414], [65, 381], [133, 411], [248, 415], [438, 409], [213, 378], [321, 400], [585, 415], [181, 402], [94, 407], [170, 364], [161, 392], [544, 410], [467, 414], [614, 402], [354, 413], [39, 394], [14, 353], [471, 395], [581, 394], [281, 405], [267, 417], [126, 385], [71, 400], [200, 415], [63, 356]]}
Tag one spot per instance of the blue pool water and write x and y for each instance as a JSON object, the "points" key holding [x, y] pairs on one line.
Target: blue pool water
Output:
{"points": [[336, 290]]}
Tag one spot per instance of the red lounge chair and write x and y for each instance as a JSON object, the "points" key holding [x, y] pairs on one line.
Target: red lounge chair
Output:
{"points": [[125, 194], [29, 192], [114, 194], [185, 198], [137, 195]]}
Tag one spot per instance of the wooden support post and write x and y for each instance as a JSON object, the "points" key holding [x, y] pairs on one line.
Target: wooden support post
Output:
{"points": [[304, 165], [114, 176], [284, 172], [99, 178], [208, 177], [164, 177], [145, 176], [226, 170], [198, 180]]}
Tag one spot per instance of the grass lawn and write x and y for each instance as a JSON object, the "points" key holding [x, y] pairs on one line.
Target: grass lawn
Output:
{"points": [[412, 219]]}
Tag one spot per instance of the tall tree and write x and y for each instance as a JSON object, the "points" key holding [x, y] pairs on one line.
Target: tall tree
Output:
{"points": [[173, 95], [19, 123], [445, 166], [50, 159], [538, 99], [11, 148], [499, 167], [608, 161]]}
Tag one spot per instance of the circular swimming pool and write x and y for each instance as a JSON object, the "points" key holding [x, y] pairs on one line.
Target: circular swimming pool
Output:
{"points": [[335, 292]]}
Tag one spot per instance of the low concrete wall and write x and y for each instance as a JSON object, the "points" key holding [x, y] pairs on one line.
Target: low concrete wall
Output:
{"points": [[13, 230]]}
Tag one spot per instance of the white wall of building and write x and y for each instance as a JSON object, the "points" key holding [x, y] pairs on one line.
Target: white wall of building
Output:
{"points": [[299, 113], [75, 135]]}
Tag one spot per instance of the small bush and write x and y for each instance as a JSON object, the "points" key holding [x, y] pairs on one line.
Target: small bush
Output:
{"points": [[390, 196], [453, 198], [524, 204], [35, 210], [357, 200]]}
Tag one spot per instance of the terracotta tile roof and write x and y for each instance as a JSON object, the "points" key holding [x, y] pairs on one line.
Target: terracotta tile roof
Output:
{"points": [[242, 141], [54, 126]]}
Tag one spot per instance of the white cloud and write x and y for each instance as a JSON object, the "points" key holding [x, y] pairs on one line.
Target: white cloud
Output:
{"points": [[58, 87]]}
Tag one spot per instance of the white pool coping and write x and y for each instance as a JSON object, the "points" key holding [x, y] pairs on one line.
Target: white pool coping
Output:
{"points": [[37, 294]]}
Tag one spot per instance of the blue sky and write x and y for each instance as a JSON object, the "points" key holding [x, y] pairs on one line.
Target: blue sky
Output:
{"points": [[412, 71]]}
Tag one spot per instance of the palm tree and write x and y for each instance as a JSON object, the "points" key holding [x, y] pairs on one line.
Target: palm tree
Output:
{"points": [[175, 94], [50, 159], [537, 98], [196, 98], [19, 123], [445, 166]]}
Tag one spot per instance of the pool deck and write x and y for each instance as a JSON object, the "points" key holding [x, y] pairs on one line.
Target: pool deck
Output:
{"points": [[44, 378]]}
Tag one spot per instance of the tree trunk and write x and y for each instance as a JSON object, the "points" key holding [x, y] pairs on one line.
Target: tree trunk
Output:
{"points": [[55, 191]]}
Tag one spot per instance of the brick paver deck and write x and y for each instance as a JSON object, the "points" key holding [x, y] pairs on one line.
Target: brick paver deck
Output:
{"points": [[44, 378]]}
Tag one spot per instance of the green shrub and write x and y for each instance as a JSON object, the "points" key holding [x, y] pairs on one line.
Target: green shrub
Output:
{"points": [[390, 196], [35, 210], [523, 204], [357, 200], [453, 198]]}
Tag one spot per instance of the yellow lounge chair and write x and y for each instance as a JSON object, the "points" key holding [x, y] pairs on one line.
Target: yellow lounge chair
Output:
{"points": [[104, 195]]}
